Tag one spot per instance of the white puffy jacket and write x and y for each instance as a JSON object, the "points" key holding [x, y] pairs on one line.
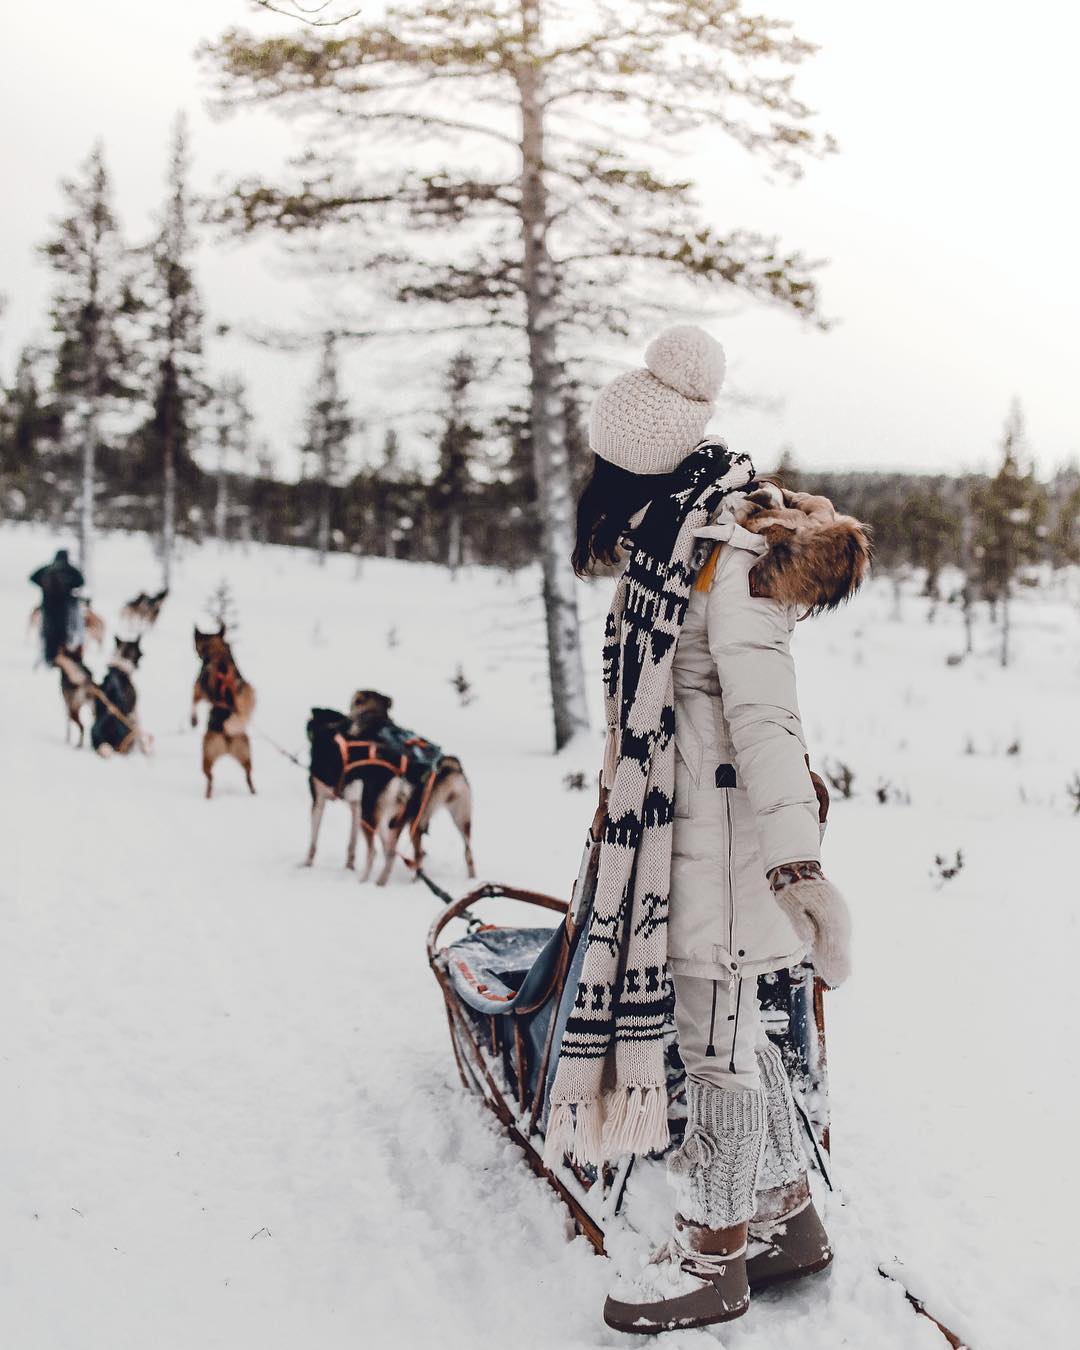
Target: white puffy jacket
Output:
{"points": [[736, 716]]}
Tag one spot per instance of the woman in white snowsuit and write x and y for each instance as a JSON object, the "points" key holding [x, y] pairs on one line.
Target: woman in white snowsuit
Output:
{"points": [[747, 894]]}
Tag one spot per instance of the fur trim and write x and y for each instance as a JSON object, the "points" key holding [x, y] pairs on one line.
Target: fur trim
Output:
{"points": [[817, 558]]}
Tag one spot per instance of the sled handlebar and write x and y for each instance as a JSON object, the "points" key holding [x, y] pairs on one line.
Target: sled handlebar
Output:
{"points": [[489, 891]]}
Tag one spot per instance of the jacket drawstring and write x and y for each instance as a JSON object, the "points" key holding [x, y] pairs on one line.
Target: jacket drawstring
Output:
{"points": [[736, 990], [710, 1049]]}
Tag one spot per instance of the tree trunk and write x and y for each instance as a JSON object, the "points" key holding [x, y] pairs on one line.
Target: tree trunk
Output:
{"points": [[551, 463], [86, 500], [168, 510], [221, 504], [170, 415], [324, 524], [1005, 630], [453, 542]]}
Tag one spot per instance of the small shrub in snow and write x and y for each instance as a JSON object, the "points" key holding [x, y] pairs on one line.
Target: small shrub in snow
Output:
{"points": [[221, 606], [392, 639], [1073, 789], [886, 792], [575, 782], [841, 779], [462, 688], [1014, 748], [944, 870]]}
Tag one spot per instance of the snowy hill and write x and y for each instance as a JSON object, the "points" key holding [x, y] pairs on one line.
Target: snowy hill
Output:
{"points": [[231, 1115]]}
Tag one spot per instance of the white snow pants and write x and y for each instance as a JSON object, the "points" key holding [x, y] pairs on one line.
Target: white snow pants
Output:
{"points": [[720, 1030]]}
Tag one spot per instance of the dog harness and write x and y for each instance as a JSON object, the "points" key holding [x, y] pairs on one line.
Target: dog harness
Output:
{"points": [[366, 754], [403, 754], [220, 686]]}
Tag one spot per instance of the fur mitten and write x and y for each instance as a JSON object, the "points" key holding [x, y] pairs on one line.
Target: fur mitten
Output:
{"points": [[819, 915]]}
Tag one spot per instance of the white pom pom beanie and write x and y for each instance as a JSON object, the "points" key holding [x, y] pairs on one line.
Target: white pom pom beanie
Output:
{"points": [[649, 420]]}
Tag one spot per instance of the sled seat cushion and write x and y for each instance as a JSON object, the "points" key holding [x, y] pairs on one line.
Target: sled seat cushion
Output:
{"points": [[494, 969]]}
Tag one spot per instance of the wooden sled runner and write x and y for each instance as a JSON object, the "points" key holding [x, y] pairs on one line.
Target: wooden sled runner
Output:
{"points": [[508, 992]]}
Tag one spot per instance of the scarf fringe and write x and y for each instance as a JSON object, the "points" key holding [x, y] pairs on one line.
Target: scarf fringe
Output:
{"points": [[631, 1121], [637, 1122], [559, 1138]]}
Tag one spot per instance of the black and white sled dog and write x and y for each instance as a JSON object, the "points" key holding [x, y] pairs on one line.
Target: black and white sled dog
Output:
{"points": [[429, 781], [392, 780], [347, 765], [116, 727]]}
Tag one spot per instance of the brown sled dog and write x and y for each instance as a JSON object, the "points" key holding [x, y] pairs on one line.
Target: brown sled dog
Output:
{"points": [[420, 798], [76, 684], [448, 788], [95, 626], [232, 702], [141, 613]]}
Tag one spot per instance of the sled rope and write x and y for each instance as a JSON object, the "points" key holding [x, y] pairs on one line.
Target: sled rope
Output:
{"points": [[888, 1271], [471, 919], [281, 749], [812, 1136], [113, 710]]}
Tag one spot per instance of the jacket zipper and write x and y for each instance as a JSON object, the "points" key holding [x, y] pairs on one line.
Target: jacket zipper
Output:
{"points": [[736, 978], [731, 880]]}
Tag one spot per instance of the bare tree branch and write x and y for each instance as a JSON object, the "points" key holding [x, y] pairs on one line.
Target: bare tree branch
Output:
{"points": [[292, 340], [302, 13]]}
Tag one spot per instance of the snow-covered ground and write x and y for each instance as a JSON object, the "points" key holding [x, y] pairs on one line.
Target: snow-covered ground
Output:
{"points": [[230, 1116]]}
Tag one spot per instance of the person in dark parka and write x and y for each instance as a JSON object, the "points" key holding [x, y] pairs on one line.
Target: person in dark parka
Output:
{"points": [[58, 580]]}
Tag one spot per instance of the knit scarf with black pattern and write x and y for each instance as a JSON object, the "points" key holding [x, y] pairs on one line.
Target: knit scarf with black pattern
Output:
{"points": [[609, 1096]]}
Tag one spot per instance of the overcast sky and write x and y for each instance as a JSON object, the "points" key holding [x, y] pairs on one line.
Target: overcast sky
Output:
{"points": [[950, 220]]}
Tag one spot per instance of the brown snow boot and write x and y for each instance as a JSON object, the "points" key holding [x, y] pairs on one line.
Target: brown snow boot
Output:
{"points": [[696, 1280], [794, 1238]]}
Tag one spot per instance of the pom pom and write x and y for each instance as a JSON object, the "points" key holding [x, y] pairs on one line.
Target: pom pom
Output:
{"points": [[687, 359]]}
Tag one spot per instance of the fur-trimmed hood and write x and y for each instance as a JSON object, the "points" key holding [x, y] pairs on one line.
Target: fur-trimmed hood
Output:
{"points": [[817, 557]]}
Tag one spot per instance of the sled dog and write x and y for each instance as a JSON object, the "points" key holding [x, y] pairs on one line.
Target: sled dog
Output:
{"points": [[141, 613], [433, 781], [76, 685], [232, 703], [116, 727], [346, 765]]}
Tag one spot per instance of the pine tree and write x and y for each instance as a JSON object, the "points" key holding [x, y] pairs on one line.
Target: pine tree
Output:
{"points": [[451, 488], [328, 430], [1065, 535], [29, 425], [550, 247], [388, 493], [88, 310], [230, 421], [174, 345], [1008, 512], [933, 527]]}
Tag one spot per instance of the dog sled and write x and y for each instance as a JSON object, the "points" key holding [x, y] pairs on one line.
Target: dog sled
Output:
{"points": [[509, 989]]}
